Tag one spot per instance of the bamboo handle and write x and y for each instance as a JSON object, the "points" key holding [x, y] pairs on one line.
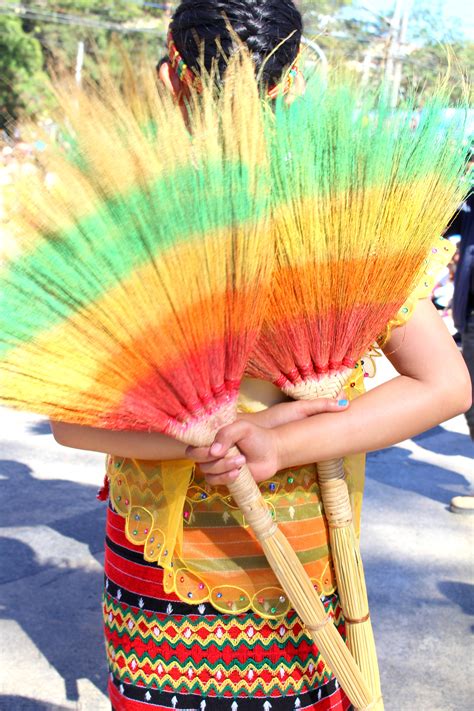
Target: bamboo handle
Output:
{"points": [[297, 585], [344, 545], [347, 561], [250, 501], [349, 572], [335, 494]]}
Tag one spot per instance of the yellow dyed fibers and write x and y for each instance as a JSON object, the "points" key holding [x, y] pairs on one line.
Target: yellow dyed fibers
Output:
{"points": [[199, 289], [123, 151], [77, 354], [119, 156], [365, 247]]}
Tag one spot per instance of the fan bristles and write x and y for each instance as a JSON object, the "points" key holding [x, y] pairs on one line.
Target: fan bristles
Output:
{"points": [[151, 239], [360, 195], [147, 256]]}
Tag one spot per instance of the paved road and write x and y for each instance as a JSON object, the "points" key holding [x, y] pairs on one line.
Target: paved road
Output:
{"points": [[418, 557]]}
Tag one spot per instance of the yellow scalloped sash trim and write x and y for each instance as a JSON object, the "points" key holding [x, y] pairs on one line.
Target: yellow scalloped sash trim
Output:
{"points": [[164, 546], [440, 255], [158, 501]]}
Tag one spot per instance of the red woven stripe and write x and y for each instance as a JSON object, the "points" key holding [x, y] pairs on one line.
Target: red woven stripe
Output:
{"points": [[231, 633], [138, 579], [157, 649], [144, 580], [115, 530], [264, 675], [336, 702]]}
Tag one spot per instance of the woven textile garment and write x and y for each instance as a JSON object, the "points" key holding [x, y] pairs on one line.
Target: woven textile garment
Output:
{"points": [[166, 654]]}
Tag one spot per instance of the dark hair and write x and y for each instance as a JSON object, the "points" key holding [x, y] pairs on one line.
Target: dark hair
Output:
{"points": [[204, 32]]}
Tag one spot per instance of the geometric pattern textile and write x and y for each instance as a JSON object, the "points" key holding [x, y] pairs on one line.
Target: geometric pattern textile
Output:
{"points": [[166, 654]]}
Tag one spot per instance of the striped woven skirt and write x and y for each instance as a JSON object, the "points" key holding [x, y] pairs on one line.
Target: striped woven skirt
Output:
{"points": [[165, 654]]}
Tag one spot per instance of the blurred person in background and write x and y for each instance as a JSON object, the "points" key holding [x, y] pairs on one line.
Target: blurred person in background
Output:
{"points": [[463, 306]]}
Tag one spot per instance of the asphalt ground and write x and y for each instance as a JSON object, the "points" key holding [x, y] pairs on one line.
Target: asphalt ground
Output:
{"points": [[418, 556]]}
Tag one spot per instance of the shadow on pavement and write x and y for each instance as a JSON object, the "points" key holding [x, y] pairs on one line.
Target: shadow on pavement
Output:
{"points": [[40, 428], [17, 561], [461, 594], [28, 501], [408, 588], [19, 703], [443, 441], [409, 474], [59, 608]]}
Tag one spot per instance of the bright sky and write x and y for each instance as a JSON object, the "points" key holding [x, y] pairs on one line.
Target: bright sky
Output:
{"points": [[459, 9]]}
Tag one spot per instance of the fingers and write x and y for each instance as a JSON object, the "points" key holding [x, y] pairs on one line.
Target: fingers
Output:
{"points": [[223, 479], [228, 437], [199, 454], [316, 407], [222, 466], [217, 470], [218, 466], [222, 472]]}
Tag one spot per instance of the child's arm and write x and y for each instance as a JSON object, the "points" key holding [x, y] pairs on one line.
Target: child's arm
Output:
{"points": [[158, 447], [432, 387], [130, 445]]}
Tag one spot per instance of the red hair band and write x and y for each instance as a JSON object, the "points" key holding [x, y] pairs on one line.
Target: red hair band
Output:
{"points": [[187, 76]]}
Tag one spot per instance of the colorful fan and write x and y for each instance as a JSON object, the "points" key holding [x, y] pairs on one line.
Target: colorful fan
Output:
{"points": [[359, 195], [139, 288]]}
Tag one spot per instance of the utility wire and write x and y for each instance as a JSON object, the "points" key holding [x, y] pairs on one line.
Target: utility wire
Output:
{"points": [[157, 6], [141, 3], [73, 20]]}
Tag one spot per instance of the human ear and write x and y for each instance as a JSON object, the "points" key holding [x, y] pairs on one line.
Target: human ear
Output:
{"points": [[170, 80], [298, 88], [172, 83]]}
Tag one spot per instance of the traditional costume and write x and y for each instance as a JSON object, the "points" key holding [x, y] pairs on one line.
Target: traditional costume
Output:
{"points": [[194, 616]]}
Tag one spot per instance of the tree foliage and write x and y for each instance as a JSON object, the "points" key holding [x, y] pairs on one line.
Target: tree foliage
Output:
{"points": [[47, 36], [435, 48], [432, 63], [22, 80], [101, 20]]}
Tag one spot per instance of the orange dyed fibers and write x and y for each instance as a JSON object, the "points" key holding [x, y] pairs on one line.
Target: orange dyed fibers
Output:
{"points": [[341, 285]]}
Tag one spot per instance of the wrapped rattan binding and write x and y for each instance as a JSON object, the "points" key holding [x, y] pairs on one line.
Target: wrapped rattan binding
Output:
{"points": [[344, 545], [289, 571], [300, 590], [349, 573]]}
